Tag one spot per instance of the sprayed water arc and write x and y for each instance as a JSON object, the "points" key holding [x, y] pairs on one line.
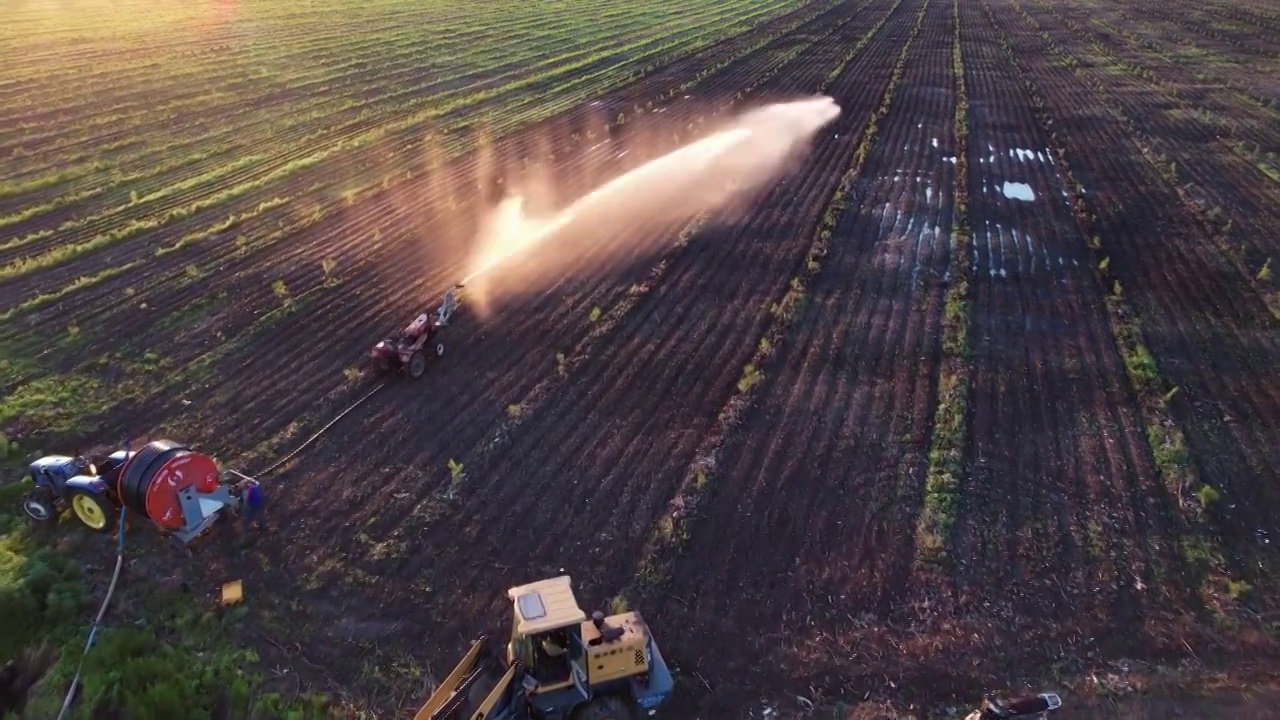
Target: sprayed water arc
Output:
{"points": [[721, 170]]}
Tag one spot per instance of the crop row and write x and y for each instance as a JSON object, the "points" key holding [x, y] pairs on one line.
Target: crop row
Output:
{"points": [[344, 39], [1165, 437], [1237, 35], [671, 531], [270, 175], [1236, 182], [345, 252], [305, 129], [946, 449], [618, 313], [671, 341], [602, 310], [810, 510], [248, 243], [400, 70]]}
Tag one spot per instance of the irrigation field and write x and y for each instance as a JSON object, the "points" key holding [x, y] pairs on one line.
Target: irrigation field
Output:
{"points": [[986, 391]]}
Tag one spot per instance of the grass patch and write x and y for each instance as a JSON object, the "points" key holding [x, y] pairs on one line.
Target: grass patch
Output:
{"points": [[156, 656]]}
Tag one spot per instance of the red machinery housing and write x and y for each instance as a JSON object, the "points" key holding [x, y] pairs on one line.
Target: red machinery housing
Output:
{"points": [[178, 489]]}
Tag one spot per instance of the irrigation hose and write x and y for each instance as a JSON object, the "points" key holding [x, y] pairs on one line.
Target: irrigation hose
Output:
{"points": [[359, 401], [316, 436], [97, 621]]}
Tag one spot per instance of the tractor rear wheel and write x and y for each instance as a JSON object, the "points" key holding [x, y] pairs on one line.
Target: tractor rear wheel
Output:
{"points": [[93, 511], [38, 506], [417, 364], [609, 707]]}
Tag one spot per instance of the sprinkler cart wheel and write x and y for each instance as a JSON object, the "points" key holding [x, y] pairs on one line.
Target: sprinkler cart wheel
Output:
{"points": [[417, 364], [39, 506], [92, 511]]}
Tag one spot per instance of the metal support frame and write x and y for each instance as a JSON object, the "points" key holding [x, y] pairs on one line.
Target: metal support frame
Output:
{"points": [[200, 510]]}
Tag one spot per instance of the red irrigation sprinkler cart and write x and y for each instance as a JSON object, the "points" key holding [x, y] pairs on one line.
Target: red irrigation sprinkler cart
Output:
{"points": [[407, 350], [181, 491]]}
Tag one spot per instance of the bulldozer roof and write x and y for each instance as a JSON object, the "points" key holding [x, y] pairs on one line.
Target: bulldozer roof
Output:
{"points": [[545, 605]]}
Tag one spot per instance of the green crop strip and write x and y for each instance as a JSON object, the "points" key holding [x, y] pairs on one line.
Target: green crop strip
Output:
{"points": [[1165, 437], [946, 450], [378, 183], [196, 370]]}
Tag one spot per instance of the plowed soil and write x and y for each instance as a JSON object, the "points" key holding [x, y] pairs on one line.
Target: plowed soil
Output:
{"points": [[1121, 182]]}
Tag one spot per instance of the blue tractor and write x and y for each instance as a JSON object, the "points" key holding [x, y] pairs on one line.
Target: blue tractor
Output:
{"points": [[74, 482]]}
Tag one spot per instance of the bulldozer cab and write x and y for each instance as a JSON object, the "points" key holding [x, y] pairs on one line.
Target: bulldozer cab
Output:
{"points": [[546, 635]]}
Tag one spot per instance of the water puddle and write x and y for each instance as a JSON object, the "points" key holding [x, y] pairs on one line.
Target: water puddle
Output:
{"points": [[998, 268], [1018, 191]]}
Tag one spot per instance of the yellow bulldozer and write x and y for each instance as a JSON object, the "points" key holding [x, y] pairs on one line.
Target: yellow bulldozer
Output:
{"points": [[559, 665]]}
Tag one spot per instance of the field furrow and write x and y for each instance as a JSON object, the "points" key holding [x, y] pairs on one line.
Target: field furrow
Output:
{"points": [[262, 226], [329, 161], [1202, 328], [684, 354], [1060, 504], [812, 508], [1248, 42], [1230, 192], [370, 244], [976, 396], [553, 321]]}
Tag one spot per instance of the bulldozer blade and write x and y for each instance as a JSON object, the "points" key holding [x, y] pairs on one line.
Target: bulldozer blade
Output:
{"points": [[452, 684]]}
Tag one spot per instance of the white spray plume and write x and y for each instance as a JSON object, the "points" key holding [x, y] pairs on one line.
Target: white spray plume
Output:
{"points": [[516, 254]]}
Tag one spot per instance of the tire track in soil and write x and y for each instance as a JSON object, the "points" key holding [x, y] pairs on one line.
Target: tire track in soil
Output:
{"points": [[817, 516], [1056, 507], [1196, 323], [460, 171], [640, 425]]}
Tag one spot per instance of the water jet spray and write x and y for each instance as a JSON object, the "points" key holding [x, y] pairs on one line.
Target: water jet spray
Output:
{"points": [[614, 222]]}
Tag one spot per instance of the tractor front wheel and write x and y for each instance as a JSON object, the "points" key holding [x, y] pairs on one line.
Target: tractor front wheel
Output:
{"points": [[93, 511], [38, 506], [417, 364]]}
